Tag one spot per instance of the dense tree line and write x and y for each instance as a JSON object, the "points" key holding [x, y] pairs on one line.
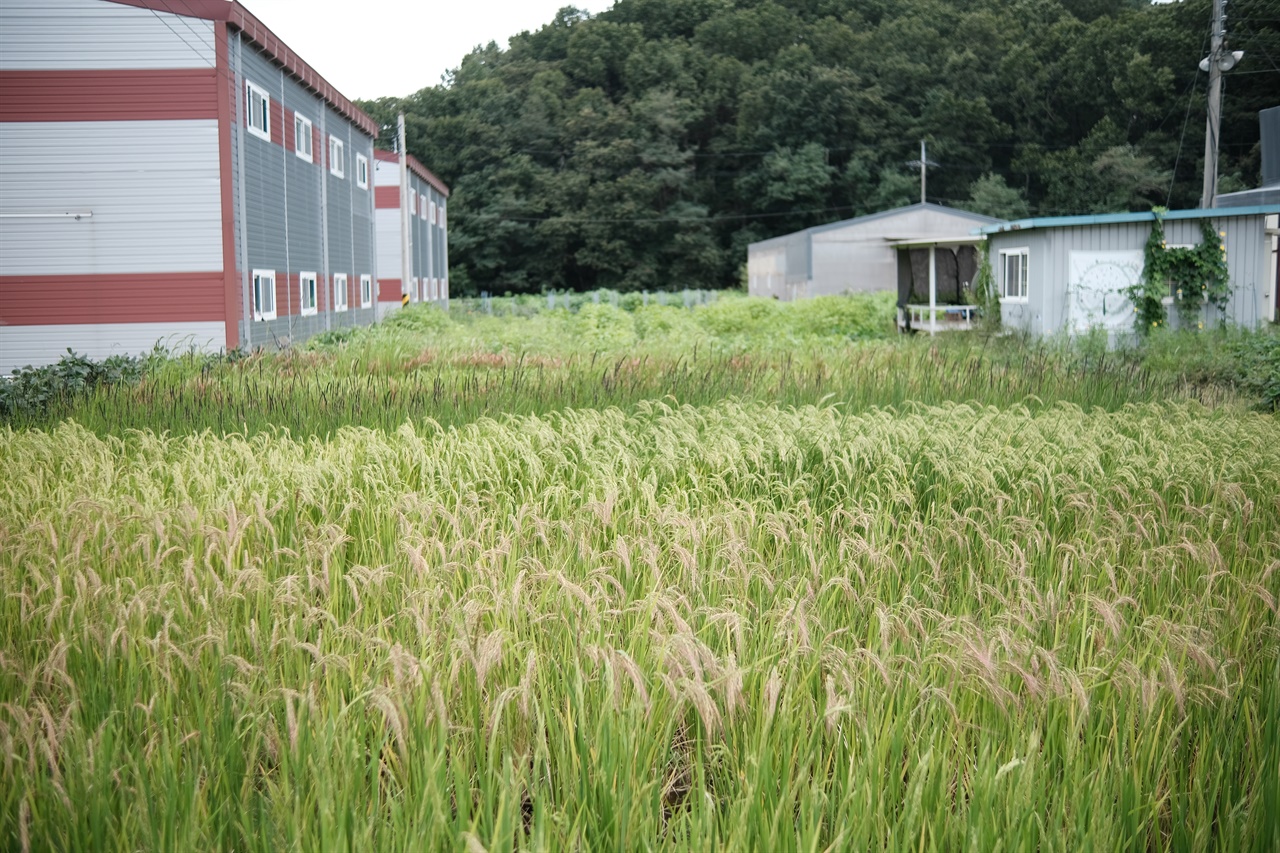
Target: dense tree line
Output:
{"points": [[646, 146]]}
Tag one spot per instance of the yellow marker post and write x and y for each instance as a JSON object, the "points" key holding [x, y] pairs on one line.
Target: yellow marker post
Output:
{"points": [[404, 300]]}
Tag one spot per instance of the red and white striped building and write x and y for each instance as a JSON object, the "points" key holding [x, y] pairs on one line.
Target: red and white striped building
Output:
{"points": [[171, 172], [428, 280]]}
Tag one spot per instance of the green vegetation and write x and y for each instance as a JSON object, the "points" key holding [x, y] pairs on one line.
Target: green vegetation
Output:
{"points": [[750, 576], [646, 146]]}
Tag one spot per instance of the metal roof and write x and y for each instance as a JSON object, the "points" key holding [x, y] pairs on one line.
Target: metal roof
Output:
{"points": [[884, 214], [1119, 218]]}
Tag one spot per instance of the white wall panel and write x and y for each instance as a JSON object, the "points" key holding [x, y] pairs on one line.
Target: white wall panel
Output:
{"points": [[389, 260], [40, 345], [152, 186], [47, 35]]}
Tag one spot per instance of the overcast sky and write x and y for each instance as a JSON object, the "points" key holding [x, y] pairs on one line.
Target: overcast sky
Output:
{"points": [[399, 46]]}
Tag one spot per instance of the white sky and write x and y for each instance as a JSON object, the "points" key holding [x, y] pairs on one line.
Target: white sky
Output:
{"points": [[399, 46]]}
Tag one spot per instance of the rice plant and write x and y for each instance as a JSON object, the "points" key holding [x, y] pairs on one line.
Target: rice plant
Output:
{"points": [[731, 624]]}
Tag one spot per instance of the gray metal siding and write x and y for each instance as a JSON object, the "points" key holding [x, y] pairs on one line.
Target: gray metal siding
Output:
{"points": [[46, 35], [294, 209], [152, 186], [1046, 311]]}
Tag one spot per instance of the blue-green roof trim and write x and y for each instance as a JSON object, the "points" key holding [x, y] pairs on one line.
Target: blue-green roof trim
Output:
{"points": [[1118, 218]]}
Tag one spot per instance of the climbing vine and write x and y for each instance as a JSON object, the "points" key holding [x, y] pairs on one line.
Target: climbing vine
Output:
{"points": [[984, 288], [1194, 276]]}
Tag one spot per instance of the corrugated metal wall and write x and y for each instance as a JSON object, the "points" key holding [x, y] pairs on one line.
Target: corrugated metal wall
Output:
{"points": [[152, 187], [93, 34], [294, 209], [1047, 306]]}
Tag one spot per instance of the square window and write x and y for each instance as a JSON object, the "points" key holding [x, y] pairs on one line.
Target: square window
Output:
{"points": [[362, 172], [366, 291], [431, 213], [264, 295], [1013, 273], [307, 284], [258, 110], [302, 138], [337, 158], [340, 291]]}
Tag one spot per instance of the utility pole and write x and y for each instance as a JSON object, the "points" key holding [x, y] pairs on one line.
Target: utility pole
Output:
{"points": [[1219, 60], [924, 162], [406, 269]]}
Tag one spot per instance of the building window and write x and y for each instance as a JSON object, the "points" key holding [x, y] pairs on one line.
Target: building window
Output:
{"points": [[413, 290], [431, 213], [337, 159], [1013, 274], [339, 291], [366, 291], [258, 110], [302, 138], [307, 284], [264, 295], [413, 202], [362, 172], [440, 215]]}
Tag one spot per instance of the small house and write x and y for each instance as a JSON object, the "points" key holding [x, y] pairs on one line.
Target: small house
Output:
{"points": [[852, 256], [1070, 273]]}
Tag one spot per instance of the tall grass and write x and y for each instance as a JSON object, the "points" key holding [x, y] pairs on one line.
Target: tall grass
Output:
{"points": [[317, 393], [734, 626]]}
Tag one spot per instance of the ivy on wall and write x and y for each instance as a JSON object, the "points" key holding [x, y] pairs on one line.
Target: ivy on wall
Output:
{"points": [[1194, 276], [984, 288]]}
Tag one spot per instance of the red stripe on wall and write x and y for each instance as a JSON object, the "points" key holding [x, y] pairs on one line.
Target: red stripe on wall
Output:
{"points": [[386, 198], [389, 290], [85, 299], [134, 95]]}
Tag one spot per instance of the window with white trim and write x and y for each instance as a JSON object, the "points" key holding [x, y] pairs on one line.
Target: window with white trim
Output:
{"points": [[337, 158], [1013, 273], [339, 291], [302, 142], [413, 202], [440, 215], [413, 291], [431, 213], [422, 206], [366, 291], [362, 172], [257, 109], [307, 285], [264, 295]]}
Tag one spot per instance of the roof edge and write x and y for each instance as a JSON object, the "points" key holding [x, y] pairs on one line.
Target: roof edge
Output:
{"points": [[1118, 218], [415, 166], [232, 13]]}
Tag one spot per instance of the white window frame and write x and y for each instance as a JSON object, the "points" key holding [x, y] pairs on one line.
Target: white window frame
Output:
{"points": [[261, 278], [413, 202], [1024, 269], [431, 213], [253, 91], [339, 291], [366, 291], [337, 157], [362, 171], [302, 129], [440, 215], [413, 292], [308, 291]]}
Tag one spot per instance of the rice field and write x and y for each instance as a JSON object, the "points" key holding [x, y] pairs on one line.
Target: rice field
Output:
{"points": [[420, 593]]}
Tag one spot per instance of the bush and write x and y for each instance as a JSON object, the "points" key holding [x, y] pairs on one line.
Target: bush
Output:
{"points": [[33, 390]]}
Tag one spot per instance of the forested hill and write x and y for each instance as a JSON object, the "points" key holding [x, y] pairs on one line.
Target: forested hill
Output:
{"points": [[645, 147]]}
